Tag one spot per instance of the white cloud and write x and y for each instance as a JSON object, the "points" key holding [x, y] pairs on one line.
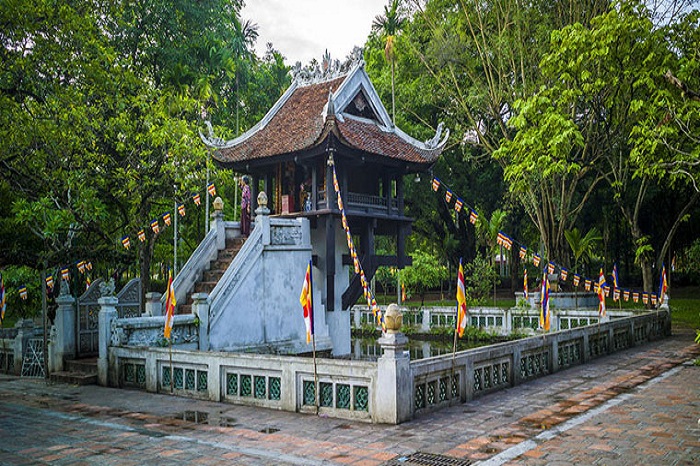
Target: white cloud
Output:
{"points": [[304, 29]]}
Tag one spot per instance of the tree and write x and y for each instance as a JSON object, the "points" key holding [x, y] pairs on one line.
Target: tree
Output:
{"points": [[584, 248], [427, 272], [389, 27]]}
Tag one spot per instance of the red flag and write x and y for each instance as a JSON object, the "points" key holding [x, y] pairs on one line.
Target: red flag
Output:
{"points": [[307, 303], [170, 303]]}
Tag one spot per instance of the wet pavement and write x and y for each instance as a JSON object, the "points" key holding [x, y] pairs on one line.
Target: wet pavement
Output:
{"points": [[639, 406]]}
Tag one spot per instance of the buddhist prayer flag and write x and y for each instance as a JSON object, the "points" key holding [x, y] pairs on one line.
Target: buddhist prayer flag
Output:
{"points": [[3, 302], [23, 292], [545, 318], [663, 283], [166, 218], [635, 297], [550, 267], [523, 253], [461, 302], [88, 265], [336, 186], [653, 299], [645, 298], [142, 235], [88, 282], [564, 274], [170, 303], [181, 209], [436, 184], [525, 283], [81, 266], [458, 204], [616, 294], [211, 189], [307, 303], [448, 196], [587, 285], [626, 295], [606, 288], [126, 242], [601, 293], [197, 199], [504, 240], [577, 279], [616, 280], [65, 275], [536, 260], [49, 282], [155, 226], [473, 217]]}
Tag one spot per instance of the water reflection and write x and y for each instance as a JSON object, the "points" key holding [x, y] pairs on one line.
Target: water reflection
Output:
{"points": [[367, 348]]}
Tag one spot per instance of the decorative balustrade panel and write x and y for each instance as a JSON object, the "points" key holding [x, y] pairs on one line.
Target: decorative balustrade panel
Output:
{"points": [[570, 353], [435, 389], [534, 364], [246, 384], [490, 376], [348, 395], [183, 379]]}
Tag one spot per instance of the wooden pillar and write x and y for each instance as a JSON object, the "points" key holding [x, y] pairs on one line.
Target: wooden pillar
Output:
{"points": [[314, 188], [253, 195], [330, 190], [330, 262], [267, 186], [401, 245], [399, 194], [386, 181]]}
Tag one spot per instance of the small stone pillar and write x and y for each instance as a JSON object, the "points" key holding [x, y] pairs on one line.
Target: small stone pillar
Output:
{"points": [[217, 223], [153, 306], [262, 217], [425, 323], [200, 308], [108, 313], [63, 346], [393, 396], [24, 333]]}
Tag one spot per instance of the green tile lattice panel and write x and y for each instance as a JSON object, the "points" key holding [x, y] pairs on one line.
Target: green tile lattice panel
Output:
{"points": [[361, 398], [129, 373], [141, 375], [430, 395], [260, 387], [420, 396], [232, 384], [342, 396], [189, 379], [275, 389], [444, 381], [165, 377], [246, 385], [309, 393], [178, 376], [326, 390], [202, 381]]}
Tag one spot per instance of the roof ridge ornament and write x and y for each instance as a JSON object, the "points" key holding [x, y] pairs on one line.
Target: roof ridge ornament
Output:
{"points": [[211, 139], [329, 69], [330, 107], [434, 142]]}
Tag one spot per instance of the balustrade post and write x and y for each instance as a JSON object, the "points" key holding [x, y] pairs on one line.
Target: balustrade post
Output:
{"points": [[24, 333], [153, 306], [200, 308], [63, 346], [108, 313], [217, 223]]}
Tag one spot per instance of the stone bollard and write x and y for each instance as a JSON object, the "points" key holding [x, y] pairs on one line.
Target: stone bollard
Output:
{"points": [[394, 381], [63, 347], [217, 223], [200, 308], [262, 217], [154, 308], [108, 313]]}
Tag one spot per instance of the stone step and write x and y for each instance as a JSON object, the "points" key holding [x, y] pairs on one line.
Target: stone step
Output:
{"points": [[74, 378], [184, 309], [204, 287], [220, 264], [212, 275], [88, 365]]}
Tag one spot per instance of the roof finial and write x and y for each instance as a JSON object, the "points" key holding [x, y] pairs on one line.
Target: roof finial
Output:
{"points": [[330, 107]]}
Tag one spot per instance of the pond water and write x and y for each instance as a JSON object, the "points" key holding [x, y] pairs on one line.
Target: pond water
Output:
{"points": [[367, 348]]}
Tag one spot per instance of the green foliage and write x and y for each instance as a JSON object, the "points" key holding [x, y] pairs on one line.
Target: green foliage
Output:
{"points": [[16, 277], [480, 276], [426, 273], [585, 248]]}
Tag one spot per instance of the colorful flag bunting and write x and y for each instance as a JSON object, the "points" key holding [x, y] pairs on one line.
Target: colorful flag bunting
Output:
{"points": [[142, 235], [126, 242], [403, 292], [587, 285], [645, 298], [448, 196], [197, 199], [49, 282], [88, 265], [550, 267], [461, 302], [545, 318], [616, 280], [23, 292], [170, 303], [81, 266], [155, 226], [307, 303], [473, 217], [65, 275], [3, 301], [653, 299], [663, 283], [523, 253], [436, 184], [616, 294], [166, 218], [525, 294], [458, 205], [601, 293], [181, 209], [626, 295], [88, 282], [536, 260], [564, 274], [635, 297], [211, 189], [577, 279]]}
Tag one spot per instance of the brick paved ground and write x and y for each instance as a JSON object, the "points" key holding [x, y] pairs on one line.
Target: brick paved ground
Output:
{"points": [[640, 406]]}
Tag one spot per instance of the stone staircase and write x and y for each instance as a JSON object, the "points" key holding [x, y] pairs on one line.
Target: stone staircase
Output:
{"points": [[77, 372], [212, 276]]}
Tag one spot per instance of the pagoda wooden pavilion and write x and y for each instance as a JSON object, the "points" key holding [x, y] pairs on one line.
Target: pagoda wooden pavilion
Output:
{"points": [[326, 118]]}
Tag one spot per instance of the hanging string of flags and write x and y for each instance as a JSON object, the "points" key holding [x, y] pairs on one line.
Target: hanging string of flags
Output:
{"points": [[155, 225], [601, 287], [367, 290]]}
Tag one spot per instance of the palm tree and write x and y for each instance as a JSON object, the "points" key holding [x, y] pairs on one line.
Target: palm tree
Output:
{"points": [[389, 25], [246, 34], [488, 230], [583, 247]]}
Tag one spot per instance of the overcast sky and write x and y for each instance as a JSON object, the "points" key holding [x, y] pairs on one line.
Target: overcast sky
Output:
{"points": [[304, 29]]}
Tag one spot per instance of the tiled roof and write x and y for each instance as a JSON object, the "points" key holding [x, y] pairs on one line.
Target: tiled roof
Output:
{"points": [[299, 123]]}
